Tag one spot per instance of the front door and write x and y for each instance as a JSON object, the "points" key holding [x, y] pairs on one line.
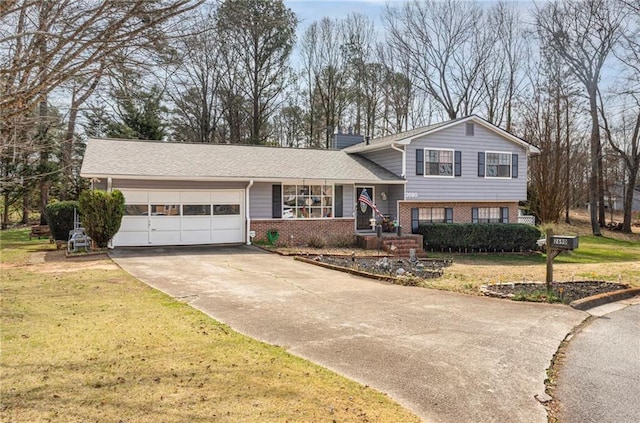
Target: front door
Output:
{"points": [[364, 212]]}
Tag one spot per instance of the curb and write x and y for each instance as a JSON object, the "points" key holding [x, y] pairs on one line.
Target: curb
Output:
{"points": [[607, 297]]}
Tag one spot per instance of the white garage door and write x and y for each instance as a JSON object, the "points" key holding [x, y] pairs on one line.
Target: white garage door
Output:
{"points": [[181, 218]]}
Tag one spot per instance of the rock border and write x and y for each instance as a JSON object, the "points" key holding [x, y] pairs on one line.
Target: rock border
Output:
{"points": [[369, 275]]}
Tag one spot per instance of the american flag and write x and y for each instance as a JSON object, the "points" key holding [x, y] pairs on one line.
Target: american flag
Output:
{"points": [[366, 199]]}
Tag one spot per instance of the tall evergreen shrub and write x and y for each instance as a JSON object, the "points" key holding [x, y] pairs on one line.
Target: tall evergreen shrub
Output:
{"points": [[60, 218], [101, 214]]}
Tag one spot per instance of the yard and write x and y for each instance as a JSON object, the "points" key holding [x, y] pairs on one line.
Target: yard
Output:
{"points": [[84, 341], [614, 257]]}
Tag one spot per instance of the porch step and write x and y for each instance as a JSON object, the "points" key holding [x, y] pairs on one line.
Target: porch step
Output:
{"points": [[398, 246]]}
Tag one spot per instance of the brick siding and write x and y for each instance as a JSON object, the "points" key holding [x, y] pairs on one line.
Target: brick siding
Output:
{"points": [[300, 231], [461, 211]]}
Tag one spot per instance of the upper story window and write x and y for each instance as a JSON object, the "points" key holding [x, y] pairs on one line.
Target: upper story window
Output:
{"points": [[438, 162], [307, 201], [495, 164], [498, 165]]}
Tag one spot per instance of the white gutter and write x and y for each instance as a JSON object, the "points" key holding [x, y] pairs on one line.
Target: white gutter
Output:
{"points": [[404, 161], [246, 208]]}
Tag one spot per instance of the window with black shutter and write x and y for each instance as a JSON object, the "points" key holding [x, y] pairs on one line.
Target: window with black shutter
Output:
{"points": [[338, 201], [419, 161], [276, 199]]}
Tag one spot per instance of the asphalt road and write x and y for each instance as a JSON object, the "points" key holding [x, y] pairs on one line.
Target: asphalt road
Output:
{"points": [[599, 381], [448, 357]]}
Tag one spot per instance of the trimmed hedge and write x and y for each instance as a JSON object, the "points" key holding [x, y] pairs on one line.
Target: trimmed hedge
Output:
{"points": [[499, 237], [102, 214], [60, 218]]}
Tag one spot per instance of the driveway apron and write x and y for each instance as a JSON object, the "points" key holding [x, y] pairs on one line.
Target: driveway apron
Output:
{"points": [[448, 357]]}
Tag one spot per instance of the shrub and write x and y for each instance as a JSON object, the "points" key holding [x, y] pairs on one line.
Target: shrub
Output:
{"points": [[342, 240], [480, 237], [101, 214], [316, 241], [60, 218]]}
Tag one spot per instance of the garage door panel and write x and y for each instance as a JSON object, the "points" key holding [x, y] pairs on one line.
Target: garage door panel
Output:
{"points": [[224, 197], [226, 236], [131, 239], [134, 224], [165, 237], [196, 223], [135, 197], [167, 197], [196, 197], [227, 222], [165, 223]]}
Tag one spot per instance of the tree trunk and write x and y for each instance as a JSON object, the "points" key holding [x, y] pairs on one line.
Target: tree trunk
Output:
{"points": [[596, 161], [567, 167], [628, 200], [25, 207]]}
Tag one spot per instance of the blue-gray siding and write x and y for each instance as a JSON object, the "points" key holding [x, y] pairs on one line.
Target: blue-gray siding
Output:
{"points": [[389, 159], [260, 201], [468, 187]]}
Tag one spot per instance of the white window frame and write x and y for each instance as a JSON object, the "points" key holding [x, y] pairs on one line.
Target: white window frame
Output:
{"points": [[426, 162], [294, 217], [486, 164]]}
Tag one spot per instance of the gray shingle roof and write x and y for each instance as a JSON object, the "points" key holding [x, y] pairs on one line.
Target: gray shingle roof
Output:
{"points": [[387, 141], [133, 158]]}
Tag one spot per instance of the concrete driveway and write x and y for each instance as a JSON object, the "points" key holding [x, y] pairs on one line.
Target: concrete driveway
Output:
{"points": [[448, 357]]}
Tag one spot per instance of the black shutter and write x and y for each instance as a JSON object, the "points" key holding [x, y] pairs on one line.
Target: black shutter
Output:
{"points": [[458, 163], [481, 165], [414, 220], [474, 215], [276, 199], [448, 213], [504, 214], [419, 161], [338, 201], [514, 165]]}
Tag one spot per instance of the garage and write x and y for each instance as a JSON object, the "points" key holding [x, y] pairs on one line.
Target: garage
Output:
{"points": [[186, 217]]}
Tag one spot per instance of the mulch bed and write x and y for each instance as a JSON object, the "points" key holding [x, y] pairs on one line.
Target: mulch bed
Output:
{"points": [[565, 291], [388, 266]]}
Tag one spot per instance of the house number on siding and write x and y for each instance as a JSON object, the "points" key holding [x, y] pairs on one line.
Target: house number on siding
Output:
{"points": [[412, 195]]}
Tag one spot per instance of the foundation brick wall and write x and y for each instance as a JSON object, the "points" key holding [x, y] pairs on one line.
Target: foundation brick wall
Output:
{"points": [[299, 232], [461, 211]]}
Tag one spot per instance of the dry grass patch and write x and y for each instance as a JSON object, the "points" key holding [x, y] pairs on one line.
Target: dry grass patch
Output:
{"points": [[84, 341]]}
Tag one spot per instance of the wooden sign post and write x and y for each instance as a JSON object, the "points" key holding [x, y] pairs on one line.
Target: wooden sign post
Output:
{"points": [[556, 245]]}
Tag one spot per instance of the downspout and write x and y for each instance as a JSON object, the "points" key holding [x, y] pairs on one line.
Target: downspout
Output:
{"points": [[404, 162], [403, 176], [246, 207], [109, 184]]}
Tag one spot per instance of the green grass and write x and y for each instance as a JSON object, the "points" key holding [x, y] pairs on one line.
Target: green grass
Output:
{"points": [[591, 250], [597, 249], [84, 341]]}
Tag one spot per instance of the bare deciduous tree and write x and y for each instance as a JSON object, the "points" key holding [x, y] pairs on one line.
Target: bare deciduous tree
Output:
{"points": [[446, 46], [584, 33]]}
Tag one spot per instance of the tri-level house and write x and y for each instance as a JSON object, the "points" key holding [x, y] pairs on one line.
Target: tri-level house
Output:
{"points": [[461, 171]]}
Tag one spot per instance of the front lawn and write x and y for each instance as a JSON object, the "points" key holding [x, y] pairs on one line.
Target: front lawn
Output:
{"points": [[84, 341]]}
